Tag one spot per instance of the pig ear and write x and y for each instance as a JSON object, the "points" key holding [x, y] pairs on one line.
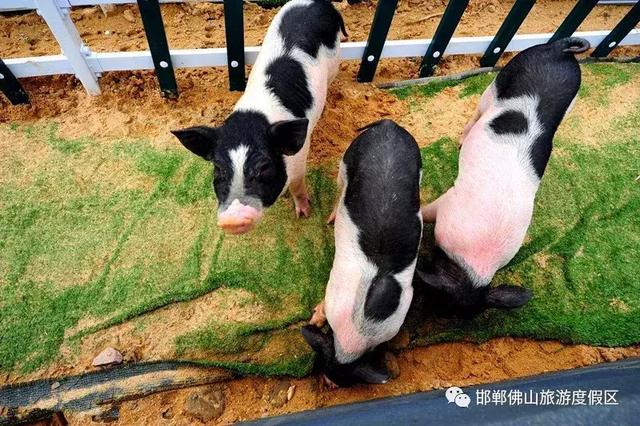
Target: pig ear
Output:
{"points": [[507, 296], [201, 140], [288, 136], [369, 374], [436, 282], [318, 341]]}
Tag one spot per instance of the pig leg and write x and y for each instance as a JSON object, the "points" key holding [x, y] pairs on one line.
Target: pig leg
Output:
{"points": [[301, 201], [571, 105], [340, 182], [296, 169], [319, 318], [328, 383], [332, 217], [430, 211], [333, 69]]}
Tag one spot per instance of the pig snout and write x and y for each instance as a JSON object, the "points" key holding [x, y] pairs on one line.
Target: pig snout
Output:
{"points": [[239, 218]]}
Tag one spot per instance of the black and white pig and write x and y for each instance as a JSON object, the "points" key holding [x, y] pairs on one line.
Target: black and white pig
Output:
{"points": [[481, 222], [261, 149], [378, 227]]}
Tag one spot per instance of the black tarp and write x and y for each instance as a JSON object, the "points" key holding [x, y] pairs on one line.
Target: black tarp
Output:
{"points": [[623, 377]]}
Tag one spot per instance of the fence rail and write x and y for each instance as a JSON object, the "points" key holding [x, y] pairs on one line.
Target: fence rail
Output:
{"points": [[8, 5], [77, 59]]}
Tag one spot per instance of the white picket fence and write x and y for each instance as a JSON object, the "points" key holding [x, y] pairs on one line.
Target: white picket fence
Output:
{"points": [[76, 58]]}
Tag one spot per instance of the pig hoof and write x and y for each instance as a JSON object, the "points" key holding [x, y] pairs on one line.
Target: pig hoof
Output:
{"points": [[332, 218], [319, 319], [303, 208], [328, 383]]}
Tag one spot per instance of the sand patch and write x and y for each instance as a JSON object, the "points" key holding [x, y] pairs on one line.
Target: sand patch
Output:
{"points": [[201, 25], [443, 115], [594, 116], [152, 336], [421, 369]]}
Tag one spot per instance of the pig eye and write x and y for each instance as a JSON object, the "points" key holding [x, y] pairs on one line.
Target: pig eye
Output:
{"points": [[219, 173], [264, 170]]}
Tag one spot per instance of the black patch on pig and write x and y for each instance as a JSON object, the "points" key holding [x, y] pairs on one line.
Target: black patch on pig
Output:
{"points": [[369, 368], [552, 75], [509, 122], [383, 298], [264, 170], [309, 27], [287, 80], [383, 196], [451, 292], [540, 153]]}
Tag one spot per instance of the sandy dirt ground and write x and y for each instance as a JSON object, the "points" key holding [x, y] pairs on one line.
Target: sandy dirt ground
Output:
{"points": [[198, 25], [130, 106], [201, 25], [421, 369]]}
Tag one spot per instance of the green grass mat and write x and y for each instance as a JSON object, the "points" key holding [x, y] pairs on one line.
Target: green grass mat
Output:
{"points": [[97, 234]]}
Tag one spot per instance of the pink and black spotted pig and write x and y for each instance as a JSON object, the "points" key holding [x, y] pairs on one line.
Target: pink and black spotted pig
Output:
{"points": [[481, 222], [378, 227], [261, 149]]}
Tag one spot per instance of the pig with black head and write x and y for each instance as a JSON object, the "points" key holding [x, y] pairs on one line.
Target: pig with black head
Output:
{"points": [[378, 227], [481, 222], [261, 148]]}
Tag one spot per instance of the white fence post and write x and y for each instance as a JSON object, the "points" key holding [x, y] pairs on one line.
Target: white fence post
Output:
{"points": [[59, 21]]}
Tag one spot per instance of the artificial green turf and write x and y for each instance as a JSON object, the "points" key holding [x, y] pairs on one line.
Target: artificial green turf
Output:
{"points": [[96, 233], [581, 261], [427, 90], [130, 245], [470, 86], [230, 337], [297, 366], [604, 78], [613, 75]]}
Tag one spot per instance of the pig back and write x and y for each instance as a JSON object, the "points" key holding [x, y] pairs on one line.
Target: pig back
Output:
{"points": [[550, 75], [546, 71], [382, 196]]}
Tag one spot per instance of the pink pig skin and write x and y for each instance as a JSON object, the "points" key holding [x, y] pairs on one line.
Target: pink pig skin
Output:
{"points": [[482, 221], [483, 218]]}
